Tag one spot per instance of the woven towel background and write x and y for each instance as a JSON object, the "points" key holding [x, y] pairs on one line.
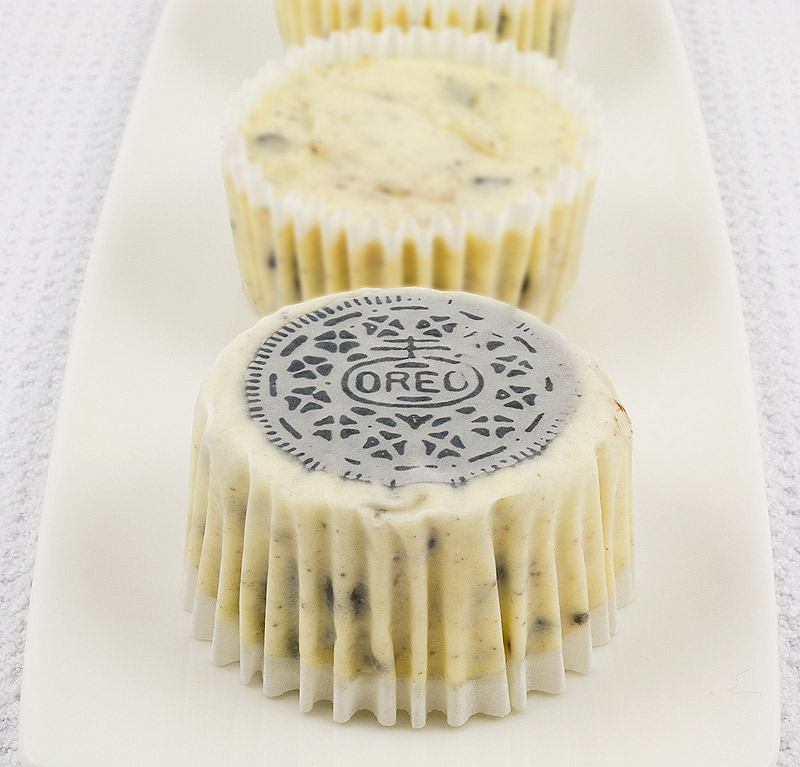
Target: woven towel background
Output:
{"points": [[68, 73]]}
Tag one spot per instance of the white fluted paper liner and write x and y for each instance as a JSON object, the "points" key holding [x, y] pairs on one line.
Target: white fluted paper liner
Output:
{"points": [[329, 586], [541, 25], [495, 694], [526, 254]]}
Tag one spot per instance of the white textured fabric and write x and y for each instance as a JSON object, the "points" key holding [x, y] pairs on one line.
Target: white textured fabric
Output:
{"points": [[745, 56], [68, 72]]}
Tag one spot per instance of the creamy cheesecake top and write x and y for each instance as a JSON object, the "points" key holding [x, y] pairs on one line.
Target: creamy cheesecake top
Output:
{"points": [[397, 138]]}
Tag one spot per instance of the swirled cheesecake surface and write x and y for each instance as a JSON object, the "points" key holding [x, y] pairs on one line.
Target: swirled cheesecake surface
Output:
{"points": [[401, 138]]}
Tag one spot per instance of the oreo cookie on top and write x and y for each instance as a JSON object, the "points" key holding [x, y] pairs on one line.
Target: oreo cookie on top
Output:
{"points": [[396, 388]]}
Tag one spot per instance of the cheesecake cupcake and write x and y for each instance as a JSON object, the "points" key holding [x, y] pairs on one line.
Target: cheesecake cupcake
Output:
{"points": [[408, 500], [428, 158], [531, 25]]}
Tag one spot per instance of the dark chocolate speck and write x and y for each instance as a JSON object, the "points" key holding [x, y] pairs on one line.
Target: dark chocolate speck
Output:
{"points": [[358, 599], [327, 590], [273, 141], [502, 21], [491, 180], [293, 644], [500, 569]]}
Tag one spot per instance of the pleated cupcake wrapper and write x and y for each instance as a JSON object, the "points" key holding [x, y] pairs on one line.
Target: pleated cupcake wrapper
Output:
{"points": [[349, 592], [290, 249], [387, 692], [541, 25], [495, 695]]}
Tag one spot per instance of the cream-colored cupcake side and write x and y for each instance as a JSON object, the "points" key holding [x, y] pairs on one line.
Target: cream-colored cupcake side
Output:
{"points": [[540, 25], [492, 589], [526, 252]]}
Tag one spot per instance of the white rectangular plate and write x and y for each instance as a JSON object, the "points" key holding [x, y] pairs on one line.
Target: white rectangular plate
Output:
{"points": [[111, 674]]}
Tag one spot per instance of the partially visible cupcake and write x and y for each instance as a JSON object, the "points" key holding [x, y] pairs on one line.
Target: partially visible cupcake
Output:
{"points": [[429, 158], [538, 25]]}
